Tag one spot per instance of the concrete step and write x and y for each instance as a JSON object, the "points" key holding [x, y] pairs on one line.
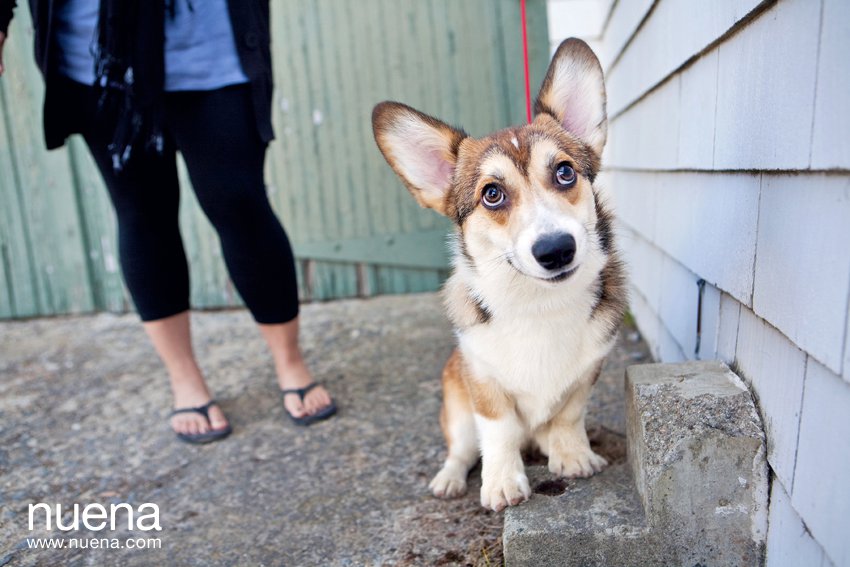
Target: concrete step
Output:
{"points": [[595, 521], [694, 491]]}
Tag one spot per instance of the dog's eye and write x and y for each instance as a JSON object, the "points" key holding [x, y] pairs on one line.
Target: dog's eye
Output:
{"points": [[565, 175], [493, 197]]}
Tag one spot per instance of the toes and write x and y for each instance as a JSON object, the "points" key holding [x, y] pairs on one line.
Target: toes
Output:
{"points": [[317, 400], [580, 465], [178, 425], [598, 463], [507, 492], [217, 419], [192, 424], [294, 406], [447, 485]]}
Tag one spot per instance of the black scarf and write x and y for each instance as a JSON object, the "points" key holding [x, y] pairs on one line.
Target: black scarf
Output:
{"points": [[130, 70]]}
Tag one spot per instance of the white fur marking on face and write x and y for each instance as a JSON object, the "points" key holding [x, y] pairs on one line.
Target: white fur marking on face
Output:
{"points": [[498, 165], [515, 142]]}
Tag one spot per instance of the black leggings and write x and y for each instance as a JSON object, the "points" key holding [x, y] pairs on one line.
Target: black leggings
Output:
{"points": [[216, 134]]}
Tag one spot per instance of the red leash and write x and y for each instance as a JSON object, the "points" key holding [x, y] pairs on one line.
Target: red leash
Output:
{"points": [[525, 62]]}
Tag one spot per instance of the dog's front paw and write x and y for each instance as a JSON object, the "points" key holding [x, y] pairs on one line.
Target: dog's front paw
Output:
{"points": [[449, 483], [579, 463], [505, 491]]}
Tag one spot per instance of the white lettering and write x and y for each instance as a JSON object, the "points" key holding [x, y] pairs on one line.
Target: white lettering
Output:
{"points": [[33, 508], [154, 515], [94, 512]]}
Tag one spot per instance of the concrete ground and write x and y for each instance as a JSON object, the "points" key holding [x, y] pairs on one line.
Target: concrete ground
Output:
{"points": [[83, 419]]}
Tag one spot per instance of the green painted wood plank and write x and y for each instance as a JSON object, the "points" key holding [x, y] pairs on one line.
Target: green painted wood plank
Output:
{"points": [[288, 177], [407, 280], [327, 191], [333, 281], [20, 283], [338, 190], [355, 118], [417, 249], [6, 295], [45, 187], [305, 105], [511, 49], [538, 43]]}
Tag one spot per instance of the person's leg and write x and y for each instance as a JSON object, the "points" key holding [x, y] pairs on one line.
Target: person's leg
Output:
{"points": [[282, 339], [146, 201], [225, 156], [172, 339]]}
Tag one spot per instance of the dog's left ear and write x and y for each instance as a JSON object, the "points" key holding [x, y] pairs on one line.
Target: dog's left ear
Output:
{"points": [[573, 92], [420, 149]]}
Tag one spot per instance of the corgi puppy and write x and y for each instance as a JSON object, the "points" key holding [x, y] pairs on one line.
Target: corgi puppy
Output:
{"points": [[538, 291]]}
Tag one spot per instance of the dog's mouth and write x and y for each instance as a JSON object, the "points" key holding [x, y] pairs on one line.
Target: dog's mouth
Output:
{"points": [[551, 279], [562, 276]]}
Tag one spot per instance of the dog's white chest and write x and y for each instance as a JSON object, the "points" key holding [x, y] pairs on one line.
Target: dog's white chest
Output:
{"points": [[536, 360]]}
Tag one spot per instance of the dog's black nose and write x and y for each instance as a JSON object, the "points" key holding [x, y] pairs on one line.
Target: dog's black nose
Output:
{"points": [[554, 251]]}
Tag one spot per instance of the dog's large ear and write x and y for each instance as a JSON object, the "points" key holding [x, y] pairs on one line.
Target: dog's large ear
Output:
{"points": [[420, 149], [574, 93]]}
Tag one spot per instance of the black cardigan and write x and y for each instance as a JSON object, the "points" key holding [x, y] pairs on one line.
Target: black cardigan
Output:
{"points": [[250, 20]]}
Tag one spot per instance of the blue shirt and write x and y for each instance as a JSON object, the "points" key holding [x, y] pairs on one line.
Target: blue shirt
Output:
{"points": [[200, 50]]}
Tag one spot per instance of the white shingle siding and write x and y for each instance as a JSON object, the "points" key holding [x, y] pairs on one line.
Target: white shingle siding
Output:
{"points": [[710, 323], [697, 107], [705, 221], [577, 18], [708, 223], [668, 349], [646, 319], [766, 88], [847, 347], [647, 136], [729, 160], [727, 328], [675, 32], [622, 23], [775, 369], [821, 490], [788, 542], [832, 102], [679, 300], [644, 263], [629, 194], [803, 262]]}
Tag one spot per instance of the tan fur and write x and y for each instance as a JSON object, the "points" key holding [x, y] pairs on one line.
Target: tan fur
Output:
{"points": [[462, 392]]}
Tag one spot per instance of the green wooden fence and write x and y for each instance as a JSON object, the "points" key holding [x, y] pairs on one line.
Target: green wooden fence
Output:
{"points": [[353, 226]]}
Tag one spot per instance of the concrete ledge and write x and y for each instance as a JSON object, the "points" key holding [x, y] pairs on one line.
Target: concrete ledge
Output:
{"points": [[697, 453], [693, 493]]}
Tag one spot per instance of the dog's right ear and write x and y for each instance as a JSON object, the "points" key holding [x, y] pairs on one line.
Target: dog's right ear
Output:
{"points": [[573, 93], [420, 149]]}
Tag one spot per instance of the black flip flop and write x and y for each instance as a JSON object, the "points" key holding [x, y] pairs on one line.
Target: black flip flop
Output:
{"points": [[209, 436], [306, 420]]}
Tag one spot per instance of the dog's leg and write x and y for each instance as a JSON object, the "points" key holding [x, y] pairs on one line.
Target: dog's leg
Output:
{"points": [[458, 426], [504, 482], [569, 450]]}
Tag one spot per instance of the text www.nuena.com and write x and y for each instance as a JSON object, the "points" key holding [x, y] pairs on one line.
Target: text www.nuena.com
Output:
{"points": [[93, 543]]}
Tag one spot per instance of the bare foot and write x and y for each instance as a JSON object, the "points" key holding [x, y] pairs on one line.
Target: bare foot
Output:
{"points": [[192, 395], [292, 373], [296, 375]]}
